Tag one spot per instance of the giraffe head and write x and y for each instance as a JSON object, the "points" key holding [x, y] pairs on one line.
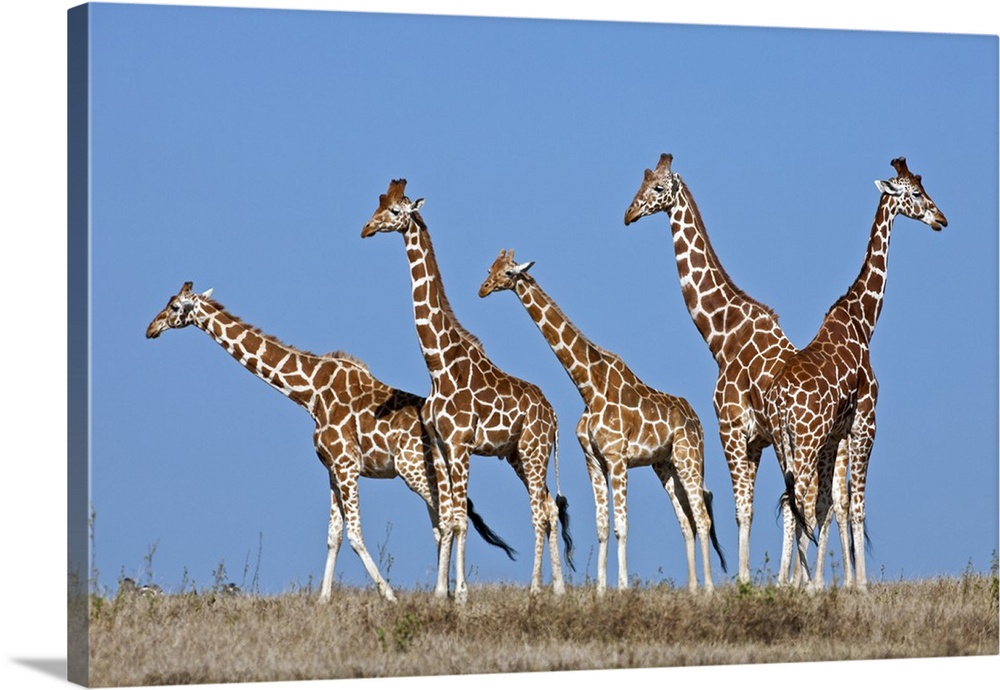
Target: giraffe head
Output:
{"points": [[503, 273], [179, 311], [658, 191], [395, 211], [906, 196]]}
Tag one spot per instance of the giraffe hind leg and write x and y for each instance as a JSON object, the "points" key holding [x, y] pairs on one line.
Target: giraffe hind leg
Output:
{"points": [[682, 507]]}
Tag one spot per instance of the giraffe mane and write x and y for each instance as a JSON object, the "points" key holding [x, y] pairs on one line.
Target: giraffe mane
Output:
{"points": [[710, 250], [434, 269], [277, 341], [342, 356], [554, 306]]}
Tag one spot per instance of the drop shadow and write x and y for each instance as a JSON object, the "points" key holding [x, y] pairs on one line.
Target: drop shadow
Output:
{"points": [[50, 667]]}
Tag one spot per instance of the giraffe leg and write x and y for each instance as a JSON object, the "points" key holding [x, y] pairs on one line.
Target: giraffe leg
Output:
{"points": [[599, 484], [841, 508], [618, 475], [535, 449], [862, 439], [743, 461], [446, 513], [347, 480], [859, 456], [689, 463], [788, 569], [334, 536], [555, 562], [458, 464], [805, 496], [824, 508], [536, 503], [422, 468], [667, 475]]}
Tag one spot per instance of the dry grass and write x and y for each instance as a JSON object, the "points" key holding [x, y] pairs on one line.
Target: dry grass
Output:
{"points": [[213, 638]]}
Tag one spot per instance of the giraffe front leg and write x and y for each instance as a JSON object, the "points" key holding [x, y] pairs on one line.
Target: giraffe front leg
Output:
{"points": [[743, 461], [334, 536], [859, 475], [618, 474], [446, 516], [599, 484], [862, 439], [347, 479], [458, 460]]}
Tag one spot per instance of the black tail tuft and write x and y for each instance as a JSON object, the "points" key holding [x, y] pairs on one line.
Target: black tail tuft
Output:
{"points": [[488, 535], [563, 505], [711, 531], [796, 510]]}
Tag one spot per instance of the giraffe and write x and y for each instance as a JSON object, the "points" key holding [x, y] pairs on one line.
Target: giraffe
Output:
{"points": [[742, 334], [364, 428], [811, 401], [625, 424], [475, 408]]}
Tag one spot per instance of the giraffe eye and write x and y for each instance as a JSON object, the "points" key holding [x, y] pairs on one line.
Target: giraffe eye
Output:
{"points": [[394, 211], [658, 189], [175, 307]]}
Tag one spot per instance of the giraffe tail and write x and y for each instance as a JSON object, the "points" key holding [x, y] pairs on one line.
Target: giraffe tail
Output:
{"points": [[711, 531], [562, 504], [789, 447], [488, 535]]}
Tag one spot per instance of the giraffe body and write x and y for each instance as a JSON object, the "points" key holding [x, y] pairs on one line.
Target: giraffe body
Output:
{"points": [[474, 408], [364, 428], [822, 400], [625, 424]]}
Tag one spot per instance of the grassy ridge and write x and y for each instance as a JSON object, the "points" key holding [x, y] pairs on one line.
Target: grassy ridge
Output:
{"points": [[212, 637]]}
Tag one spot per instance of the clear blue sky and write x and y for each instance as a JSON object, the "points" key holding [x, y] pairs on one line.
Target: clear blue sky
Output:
{"points": [[244, 150]]}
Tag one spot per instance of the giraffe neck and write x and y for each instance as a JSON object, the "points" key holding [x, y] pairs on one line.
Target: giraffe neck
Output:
{"points": [[721, 311], [582, 360], [440, 334], [282, 367], [863, 300]]}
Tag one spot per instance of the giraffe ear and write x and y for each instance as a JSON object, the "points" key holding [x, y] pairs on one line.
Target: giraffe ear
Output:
{"points": [[887, 187], [521, 268], [207, 293], [417, 204]]}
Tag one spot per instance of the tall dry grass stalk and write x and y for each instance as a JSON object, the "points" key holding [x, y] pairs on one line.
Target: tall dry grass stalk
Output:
{"points": [[213, 638]]}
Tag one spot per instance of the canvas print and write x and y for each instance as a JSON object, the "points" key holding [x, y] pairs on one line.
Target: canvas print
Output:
{"points": [[411, 345]]}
